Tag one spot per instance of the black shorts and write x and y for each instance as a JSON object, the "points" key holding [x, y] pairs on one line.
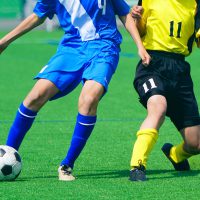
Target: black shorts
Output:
{"points": [[169, 75]]}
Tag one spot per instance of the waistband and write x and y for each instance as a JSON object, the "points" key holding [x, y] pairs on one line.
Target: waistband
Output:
{"points": [[166, 54]]}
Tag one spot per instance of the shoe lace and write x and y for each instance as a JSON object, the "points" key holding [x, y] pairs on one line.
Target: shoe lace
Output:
{"points": [[66, 170], [141, 166]]}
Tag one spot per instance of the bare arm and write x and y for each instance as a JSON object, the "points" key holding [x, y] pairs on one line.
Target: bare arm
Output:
{"points": [[25, 26], [136, 12], [141, 26], [130, 25]]}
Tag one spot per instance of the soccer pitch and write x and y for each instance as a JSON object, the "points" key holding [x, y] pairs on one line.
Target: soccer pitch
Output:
{"points": [[102, 170]]}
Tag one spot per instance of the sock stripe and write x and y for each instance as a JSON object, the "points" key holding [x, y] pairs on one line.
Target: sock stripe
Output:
{"points": [[22, 123], [86, 124], [25, 114], [82, 131]]}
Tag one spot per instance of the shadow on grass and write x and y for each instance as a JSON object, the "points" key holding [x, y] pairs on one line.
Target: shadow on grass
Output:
{"points": [[28, 179], [161, 174], [112, 174], [151, 174]]}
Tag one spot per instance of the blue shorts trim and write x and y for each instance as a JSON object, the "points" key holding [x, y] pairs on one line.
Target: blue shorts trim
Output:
{"points": [[66, 82]]}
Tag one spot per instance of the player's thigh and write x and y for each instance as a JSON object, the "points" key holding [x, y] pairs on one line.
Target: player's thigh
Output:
{"points": [[66, 82], [183, 108], [91, 91], [96, 78], [191, 134], [149, 85], [42, 91], [157, 106], [101, 70]]}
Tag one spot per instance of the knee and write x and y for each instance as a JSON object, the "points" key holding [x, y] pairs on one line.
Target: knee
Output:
{"points": [[35, 100], [89, 100], [193, 147], [157, 109], [160, 114], [88, 104], [191, 137]]}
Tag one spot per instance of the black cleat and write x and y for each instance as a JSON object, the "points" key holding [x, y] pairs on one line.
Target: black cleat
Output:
{"points": [[181, 166], [138, 174]]}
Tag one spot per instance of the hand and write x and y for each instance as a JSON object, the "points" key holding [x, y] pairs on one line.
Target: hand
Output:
{"points": [[136, 12], [145, 57], [3, 46]]}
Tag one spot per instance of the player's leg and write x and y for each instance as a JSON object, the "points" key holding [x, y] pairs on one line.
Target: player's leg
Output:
{"points": [[185, 116], [179, 154], [191, 136], [54, 82], [42, 91], [151, 89], [147, 136], [97, 77], [86, 119]]}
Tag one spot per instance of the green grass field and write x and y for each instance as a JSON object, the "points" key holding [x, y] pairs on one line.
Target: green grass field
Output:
{"points": [[103, 167], [10, 9]]}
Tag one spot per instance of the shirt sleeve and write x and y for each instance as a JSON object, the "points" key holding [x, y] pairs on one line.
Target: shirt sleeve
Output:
{"points": [[139, 2], [121, 8], [45, 8]]}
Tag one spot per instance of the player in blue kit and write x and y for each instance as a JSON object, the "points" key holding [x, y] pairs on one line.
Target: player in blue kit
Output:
{"points": [[87, 53]]}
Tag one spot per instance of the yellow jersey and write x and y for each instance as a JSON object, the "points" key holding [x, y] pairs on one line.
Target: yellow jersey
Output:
{"points": [[169, 25]]}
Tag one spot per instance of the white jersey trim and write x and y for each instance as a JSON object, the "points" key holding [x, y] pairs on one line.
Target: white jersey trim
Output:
{"points": [[80, 19]]}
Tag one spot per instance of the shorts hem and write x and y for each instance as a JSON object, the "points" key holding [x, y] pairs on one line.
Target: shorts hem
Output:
{"points": [[49, 79], [187, 124], [144, 100]]}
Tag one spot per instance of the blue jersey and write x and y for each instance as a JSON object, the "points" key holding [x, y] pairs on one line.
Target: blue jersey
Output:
{"points": [[84, 20]]}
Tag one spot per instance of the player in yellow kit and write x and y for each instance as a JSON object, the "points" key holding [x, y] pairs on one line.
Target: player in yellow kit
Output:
{"points": [[168, 29]]}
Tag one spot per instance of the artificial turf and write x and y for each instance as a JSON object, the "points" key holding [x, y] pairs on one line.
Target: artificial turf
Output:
{"points": [[103, 168]]}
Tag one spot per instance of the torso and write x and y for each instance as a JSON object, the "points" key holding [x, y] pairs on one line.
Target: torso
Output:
{"points": [[169, 25]]}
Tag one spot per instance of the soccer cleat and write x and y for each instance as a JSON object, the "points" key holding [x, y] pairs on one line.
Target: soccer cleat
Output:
{"points": [[181, 166], [65, 173], [138, 174]]}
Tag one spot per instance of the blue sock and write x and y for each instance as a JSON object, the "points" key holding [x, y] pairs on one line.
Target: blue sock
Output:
{"points": [[82, 131], [22, 123]]}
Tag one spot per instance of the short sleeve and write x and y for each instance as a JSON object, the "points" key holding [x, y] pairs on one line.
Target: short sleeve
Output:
{"points": [[139, 2], [121, 8], [45, 8]]}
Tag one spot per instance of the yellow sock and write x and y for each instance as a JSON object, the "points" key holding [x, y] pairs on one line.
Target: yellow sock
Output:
{"points": [[146, 139], [178, 154]]}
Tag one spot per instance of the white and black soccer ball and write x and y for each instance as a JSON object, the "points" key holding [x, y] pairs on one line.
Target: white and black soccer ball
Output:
{"points": [[10, 163]]}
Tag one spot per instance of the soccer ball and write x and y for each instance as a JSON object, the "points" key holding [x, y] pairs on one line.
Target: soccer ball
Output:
{"points": [[10, 163]]}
